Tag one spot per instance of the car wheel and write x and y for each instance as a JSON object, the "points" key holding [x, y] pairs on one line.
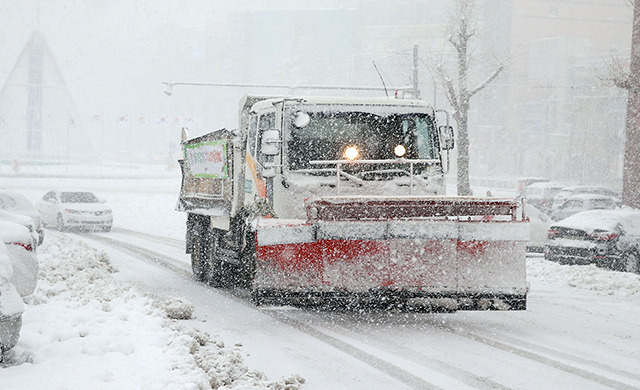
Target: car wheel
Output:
{"points": [[60, 222], [631, 262]]}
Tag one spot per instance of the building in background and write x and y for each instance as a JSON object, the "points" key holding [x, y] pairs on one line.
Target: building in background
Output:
{"points": [[567, 124], [39, 122]]}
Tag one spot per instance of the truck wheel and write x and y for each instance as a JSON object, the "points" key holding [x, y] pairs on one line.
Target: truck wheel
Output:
{"points": [[198, 261], [248, 255], [218, 274], [631, 262]]}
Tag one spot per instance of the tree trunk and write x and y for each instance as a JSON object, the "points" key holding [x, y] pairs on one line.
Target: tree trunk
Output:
{"points": [[631, 170], [461, 117]]}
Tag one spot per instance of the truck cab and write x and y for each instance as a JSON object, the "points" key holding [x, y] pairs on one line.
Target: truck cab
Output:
{"points": [[318, 146]]}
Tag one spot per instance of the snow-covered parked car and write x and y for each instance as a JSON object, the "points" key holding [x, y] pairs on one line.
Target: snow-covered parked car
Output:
{"points": [[538, 226], [607, 238], [11, 305], [75, 209], [540, 195], [570, 191], [25, 221], [583, 202], [21, 252], [14, 202]]}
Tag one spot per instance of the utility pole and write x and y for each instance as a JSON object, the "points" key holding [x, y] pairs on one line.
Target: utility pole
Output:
{"points": [[414, 79]]}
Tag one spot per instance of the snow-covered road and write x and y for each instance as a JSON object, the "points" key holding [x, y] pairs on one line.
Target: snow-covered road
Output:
{"points": [[580, 329], [567, 338]]}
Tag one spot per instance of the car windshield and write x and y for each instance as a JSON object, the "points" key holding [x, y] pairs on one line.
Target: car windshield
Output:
{"points": [[78, 197], [6, 202], [602, 204], [375, 137]]}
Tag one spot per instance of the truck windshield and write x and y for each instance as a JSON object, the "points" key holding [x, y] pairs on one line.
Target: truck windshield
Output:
{"points": [[375, 137]]}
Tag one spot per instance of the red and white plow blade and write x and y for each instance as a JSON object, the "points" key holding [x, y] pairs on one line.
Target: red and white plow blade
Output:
{"points": [[465, 253]]}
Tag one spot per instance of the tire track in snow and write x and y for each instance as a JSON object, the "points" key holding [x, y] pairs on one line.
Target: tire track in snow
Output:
{"points": [[150, 255], [555, 362], [390, 369], [372, 360], [413, 357], [561, 355], [546, 356], [151, 237]]}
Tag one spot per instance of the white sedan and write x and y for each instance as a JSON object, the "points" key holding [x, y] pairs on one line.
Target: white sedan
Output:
{"points": [[74, 209], [582, 202]]}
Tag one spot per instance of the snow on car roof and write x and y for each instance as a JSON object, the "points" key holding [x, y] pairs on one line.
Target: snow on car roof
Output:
{"points": [[579, 188], [587, 189], [21, 201], [601, 220], [546, 185], [13, 217], [588, 196], [13, 232]]}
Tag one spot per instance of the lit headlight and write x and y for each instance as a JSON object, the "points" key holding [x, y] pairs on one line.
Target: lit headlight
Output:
{"points": [[400, 150], [351, 153]]}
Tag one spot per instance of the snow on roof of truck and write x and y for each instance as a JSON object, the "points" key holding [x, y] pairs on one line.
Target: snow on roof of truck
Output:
{"points": [[367, 104]]}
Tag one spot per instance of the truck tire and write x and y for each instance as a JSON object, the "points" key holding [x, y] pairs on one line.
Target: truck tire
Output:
{"points": [[198, 261], [219, 270], [247, 270]]}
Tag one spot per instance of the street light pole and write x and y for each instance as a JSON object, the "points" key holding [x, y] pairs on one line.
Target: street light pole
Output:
{"points": [[414, 79], [169, 86]]}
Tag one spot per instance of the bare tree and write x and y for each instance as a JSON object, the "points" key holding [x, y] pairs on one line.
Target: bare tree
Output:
{"points": [[462, 28]]}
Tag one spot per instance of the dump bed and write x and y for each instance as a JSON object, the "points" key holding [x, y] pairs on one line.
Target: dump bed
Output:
{"points": [[207, 174]]}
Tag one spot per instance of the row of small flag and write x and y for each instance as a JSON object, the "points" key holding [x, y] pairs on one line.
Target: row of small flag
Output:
{"points": [[144, 120], [126, 120]]}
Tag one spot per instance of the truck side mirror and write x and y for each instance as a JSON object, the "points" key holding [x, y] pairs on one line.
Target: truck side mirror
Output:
{"points": [[270, 142], [446, 135]]}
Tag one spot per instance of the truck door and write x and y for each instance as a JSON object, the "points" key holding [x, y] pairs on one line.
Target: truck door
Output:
{"points": [[256, 185], [266, 121]]}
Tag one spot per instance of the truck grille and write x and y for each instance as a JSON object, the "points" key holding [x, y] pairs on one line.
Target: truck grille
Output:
{"points": [[573, 234], [569, 251]]}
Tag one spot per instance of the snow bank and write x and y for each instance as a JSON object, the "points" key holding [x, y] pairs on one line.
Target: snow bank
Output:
{"points": [[585, 277], [84, 329]]}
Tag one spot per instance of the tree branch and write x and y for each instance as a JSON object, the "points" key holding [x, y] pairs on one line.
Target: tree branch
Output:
{"points": [[487, 81], [454, 43], [450, 90]]}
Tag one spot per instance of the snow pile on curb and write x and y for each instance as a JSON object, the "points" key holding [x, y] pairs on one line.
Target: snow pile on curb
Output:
{"points": [[83, 329], [585, 277]]}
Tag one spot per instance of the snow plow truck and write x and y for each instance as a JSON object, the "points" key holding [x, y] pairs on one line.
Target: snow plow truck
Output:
{"points": [[335, 200]]}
